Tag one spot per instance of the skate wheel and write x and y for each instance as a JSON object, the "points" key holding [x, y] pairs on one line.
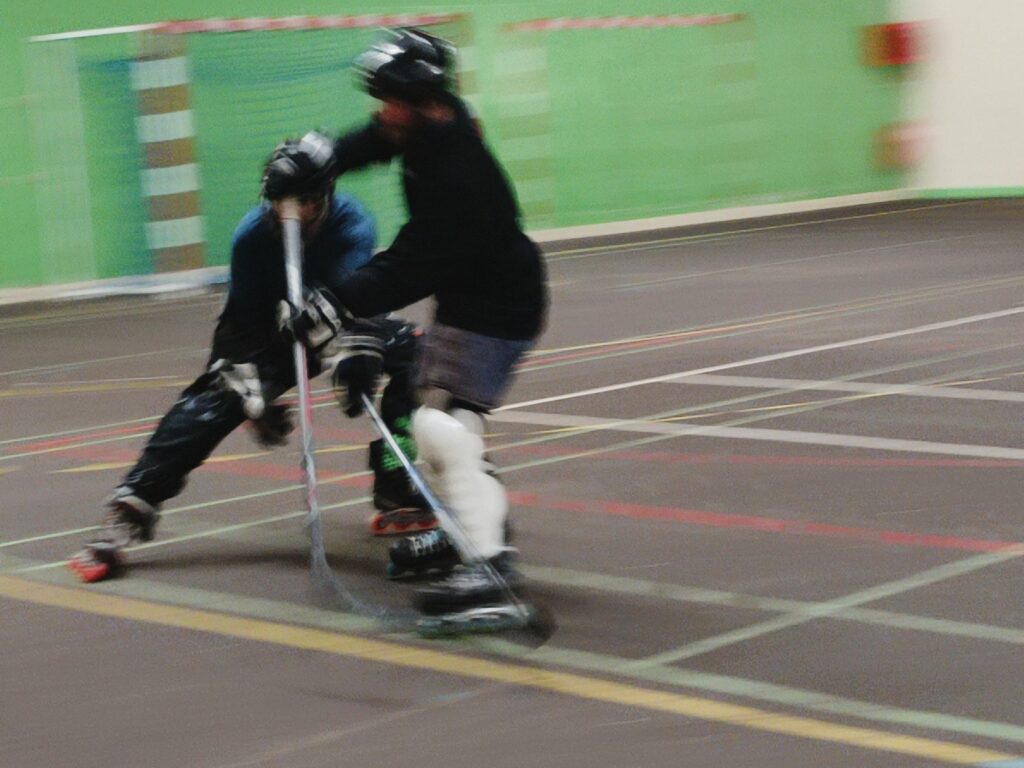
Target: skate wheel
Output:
{"points": [[382, 525], [484, 620], [91, 571]]}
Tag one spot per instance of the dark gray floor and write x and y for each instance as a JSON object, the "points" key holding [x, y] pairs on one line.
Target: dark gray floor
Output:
{"points": [[759, 533]]}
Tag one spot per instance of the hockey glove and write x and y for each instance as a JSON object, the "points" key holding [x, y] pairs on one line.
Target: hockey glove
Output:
{"points": [[357, 372], [317, 321], [273, 427]]}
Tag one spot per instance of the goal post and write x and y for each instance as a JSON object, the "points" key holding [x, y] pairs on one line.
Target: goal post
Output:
{"points": [[150, 138]]}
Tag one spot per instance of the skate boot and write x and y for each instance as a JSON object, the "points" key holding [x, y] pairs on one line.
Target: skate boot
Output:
{"points": [[426, 554], [129, 520], [470, 587], [470, 601], [400, 508]]}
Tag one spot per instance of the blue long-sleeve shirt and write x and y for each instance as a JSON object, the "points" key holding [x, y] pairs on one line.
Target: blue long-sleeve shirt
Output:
{"points": [[345, 241]]}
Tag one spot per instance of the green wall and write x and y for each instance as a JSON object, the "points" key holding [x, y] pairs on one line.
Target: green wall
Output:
{"points": [[637, 123]]}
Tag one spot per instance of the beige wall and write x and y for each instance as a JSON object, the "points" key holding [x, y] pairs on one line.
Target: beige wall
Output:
{"points": [[967, 94]]}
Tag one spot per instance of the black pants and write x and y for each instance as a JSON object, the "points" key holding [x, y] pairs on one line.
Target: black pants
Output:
{"points": [[205, 414]]}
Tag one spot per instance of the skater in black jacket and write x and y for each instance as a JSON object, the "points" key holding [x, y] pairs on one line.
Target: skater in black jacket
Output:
{"points": [[462, 245]]}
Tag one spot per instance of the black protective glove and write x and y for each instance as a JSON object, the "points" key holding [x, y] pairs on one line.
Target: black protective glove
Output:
{"points": [[357, 372], [317, 321], [273, 427]]}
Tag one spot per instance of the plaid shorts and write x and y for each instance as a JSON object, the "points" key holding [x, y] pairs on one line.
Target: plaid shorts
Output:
{"points": [[471, 367]]}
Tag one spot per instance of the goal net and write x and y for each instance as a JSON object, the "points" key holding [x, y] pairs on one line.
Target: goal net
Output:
{"points": [[628, 117], [150, 139]]}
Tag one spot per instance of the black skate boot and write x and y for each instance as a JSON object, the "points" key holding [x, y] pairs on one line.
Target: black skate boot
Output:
{"points": [[470, 601], [470, 587], [129, 520], [400, 507], [426, 554]]}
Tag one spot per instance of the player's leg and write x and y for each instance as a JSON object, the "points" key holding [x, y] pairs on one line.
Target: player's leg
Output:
{"points": [[205, 413], [400, 508], [463, 376]]}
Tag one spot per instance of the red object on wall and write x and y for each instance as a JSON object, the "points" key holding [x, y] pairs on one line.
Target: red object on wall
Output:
{"points": [[892, 45]]}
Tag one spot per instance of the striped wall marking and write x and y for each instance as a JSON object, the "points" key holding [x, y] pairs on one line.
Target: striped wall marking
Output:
{"points": [[159, 73], [625, 22], [99, 32], [168, 154], [826, 385], [260, 23], [165, 126], [153, 101], [577, 686], [181, 206], [176, 259], [929, 327], [170, 181], [174, 233]]}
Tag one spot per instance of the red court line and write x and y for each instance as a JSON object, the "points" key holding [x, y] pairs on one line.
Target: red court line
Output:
{"points": [[765, 524], [81, 437], [704, 518]]}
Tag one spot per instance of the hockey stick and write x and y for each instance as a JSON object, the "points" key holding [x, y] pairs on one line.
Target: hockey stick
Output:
{"points": [[525, 617], [323, 576]]}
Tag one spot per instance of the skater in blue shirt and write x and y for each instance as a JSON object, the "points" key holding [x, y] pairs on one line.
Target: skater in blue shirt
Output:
{"points": [[251, 364]]}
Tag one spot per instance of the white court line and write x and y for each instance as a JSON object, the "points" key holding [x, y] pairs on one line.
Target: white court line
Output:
{"points": [[864, 387], [770, 358], [767, 435], [880, 592]]}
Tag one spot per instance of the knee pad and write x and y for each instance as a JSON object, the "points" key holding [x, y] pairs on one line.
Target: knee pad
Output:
{"points": [[243, 381], [456, 454]]}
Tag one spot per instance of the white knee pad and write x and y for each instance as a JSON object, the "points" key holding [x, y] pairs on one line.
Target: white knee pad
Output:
{"points": [[455, 453]]}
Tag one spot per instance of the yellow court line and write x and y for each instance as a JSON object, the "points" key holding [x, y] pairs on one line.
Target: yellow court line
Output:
{"points": [[101, 387], [578, 686], [94, 467]]}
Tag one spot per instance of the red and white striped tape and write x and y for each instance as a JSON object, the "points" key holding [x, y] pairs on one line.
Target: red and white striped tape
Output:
{"points": [[256, 24], [625, 22]]}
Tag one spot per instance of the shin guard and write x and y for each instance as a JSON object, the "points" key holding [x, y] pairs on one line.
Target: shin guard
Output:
{"points": [[455, 453]]}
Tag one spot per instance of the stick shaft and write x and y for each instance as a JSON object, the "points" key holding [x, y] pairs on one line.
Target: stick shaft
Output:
{"points": [[293, 275]]}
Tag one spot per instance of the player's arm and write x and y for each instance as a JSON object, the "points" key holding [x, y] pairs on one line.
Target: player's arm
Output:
{"points": [[361, 147]]}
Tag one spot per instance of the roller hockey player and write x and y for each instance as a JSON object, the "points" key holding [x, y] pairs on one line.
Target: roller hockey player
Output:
{"points": [[251, 364], [462, 245]]}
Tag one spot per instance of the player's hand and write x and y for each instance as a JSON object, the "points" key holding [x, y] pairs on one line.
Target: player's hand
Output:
{"points": [[272, 428], [316, 322], [357, 372]]}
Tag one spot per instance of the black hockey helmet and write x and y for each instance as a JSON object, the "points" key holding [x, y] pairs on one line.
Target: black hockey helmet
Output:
{"points": [[299, 167], [413, 65]]}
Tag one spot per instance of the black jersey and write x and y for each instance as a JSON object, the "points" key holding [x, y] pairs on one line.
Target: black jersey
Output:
{"points": [[462, 242]]}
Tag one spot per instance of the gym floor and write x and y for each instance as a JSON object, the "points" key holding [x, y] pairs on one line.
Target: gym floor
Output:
{"points": [[767, 475]]}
